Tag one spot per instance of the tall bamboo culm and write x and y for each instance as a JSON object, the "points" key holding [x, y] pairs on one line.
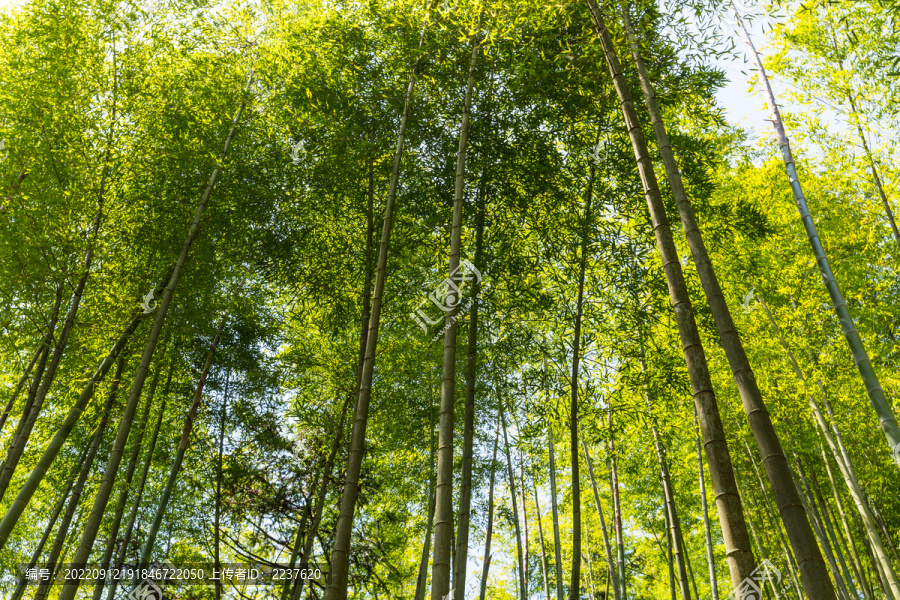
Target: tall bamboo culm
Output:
{"points": [[442, 562], [340, 551], [886, 417], [738, 551], [82, 553], [802, 539]]}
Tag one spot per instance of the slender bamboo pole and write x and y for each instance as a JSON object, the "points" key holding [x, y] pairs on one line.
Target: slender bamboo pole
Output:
{"points": [[670, 555], [575, 579], [12, 399], [537, 510], [734, 528], [316, 521], [340, 552], [587, 555], [617, 512], [217, 516], [523, 487], [887, 534], [147, 550], [789, 557], [442, 562], [43, 356], [37, 401], [854, 115], [58, 544], [829, 529], [490, 522], [465, 494], [138, 495], [832, 436], [365, 317], [609, 555], [760, 548], [422, 579], [775, 464], [557, 544], [515, 509], [854, 555], [876, 395], [813, 511], [60, 504], [112, 466], [17, 507], [674, 526], [126, 486], [707, 533]]}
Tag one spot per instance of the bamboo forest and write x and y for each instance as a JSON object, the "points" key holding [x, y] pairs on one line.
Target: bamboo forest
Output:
{"points": [[449, 300]]}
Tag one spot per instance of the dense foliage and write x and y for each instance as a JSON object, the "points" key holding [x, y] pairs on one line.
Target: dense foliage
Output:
{"points": [[212, 212]]}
